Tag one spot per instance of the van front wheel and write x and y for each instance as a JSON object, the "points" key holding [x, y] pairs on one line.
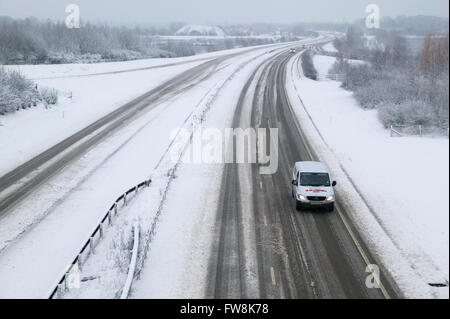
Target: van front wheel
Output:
{"points": [[298, 205], [331, 208]]}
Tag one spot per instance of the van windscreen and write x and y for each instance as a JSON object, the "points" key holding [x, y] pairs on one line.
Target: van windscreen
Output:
{"points": [[314, 179]]}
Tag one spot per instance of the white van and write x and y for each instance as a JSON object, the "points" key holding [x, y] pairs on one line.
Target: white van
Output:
{"points": [[311, 186]]}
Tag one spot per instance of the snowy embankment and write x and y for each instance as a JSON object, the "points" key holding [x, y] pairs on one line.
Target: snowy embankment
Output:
{"points": [[398, 187], [42, 234]]}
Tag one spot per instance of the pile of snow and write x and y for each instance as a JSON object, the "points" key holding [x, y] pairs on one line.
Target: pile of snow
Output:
{"points": [[329, 47], [201, 30]]}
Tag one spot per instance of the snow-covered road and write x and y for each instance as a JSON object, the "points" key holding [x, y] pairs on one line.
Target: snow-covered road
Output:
{"points": [[177, 215], [41, 235]]}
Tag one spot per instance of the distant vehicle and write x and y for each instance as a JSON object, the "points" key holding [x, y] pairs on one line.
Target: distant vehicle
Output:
{"points": [[311, 186], [292, 50]]}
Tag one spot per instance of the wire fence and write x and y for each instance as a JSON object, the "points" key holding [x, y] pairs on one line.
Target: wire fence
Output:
{"points": [[331, 77], [89, 246]]}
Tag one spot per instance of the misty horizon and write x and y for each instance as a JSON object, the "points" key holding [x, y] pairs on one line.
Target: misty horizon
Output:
{"points": [[143, 13]]}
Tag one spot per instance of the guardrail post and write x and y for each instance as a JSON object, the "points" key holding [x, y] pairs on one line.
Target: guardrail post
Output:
{"points": [[125, 199], [91, 245], [59, 291], [109, 218], [101, 230], [115, 209], [79, 261], [391, 130], [420, 130], [65, 281]]}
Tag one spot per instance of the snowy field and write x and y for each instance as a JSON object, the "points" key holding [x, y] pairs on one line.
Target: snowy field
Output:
{"points": [[404, 182], [329, 47]]}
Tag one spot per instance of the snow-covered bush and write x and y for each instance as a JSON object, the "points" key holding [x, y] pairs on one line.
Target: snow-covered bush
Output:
{"points": [[308, 65], [49, 96], [16, 92], [401, 87]]}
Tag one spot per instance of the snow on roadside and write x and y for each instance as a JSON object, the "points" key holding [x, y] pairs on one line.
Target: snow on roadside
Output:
{"points": [[322, 64], [400, 180], [57, 219], [329, 47]]}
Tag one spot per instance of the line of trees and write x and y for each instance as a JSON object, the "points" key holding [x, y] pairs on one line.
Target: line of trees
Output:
{"points": [[32, 41], [405, 88]]}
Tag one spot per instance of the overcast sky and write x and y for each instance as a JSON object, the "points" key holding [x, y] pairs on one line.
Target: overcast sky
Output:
{"points": [[219, 12]]}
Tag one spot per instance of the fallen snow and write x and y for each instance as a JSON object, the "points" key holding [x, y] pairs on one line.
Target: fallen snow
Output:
{"points": [[322, 64], [404, 181], [329, 47]]}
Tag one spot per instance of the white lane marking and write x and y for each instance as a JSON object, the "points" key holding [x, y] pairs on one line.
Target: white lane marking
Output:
{"points": [[260, 185], [361, 251], [265, 220], [272, 276]]}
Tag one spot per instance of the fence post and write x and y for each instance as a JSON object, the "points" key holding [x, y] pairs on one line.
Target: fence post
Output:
{"points": [[420, 130], [91, 245], [79, 261], [59, 291], [65, 281]]}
